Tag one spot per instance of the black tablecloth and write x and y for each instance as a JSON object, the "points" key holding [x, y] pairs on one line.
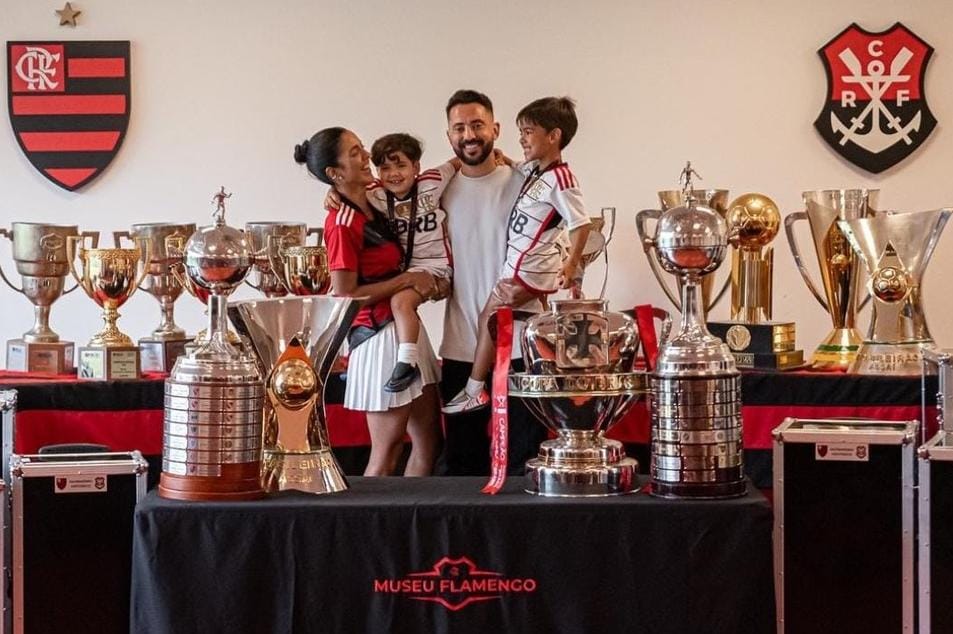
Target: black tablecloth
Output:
{"points": [[434, 555]]}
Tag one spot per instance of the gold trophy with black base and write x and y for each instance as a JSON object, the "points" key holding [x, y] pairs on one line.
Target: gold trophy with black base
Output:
{"points": [[755, 340], [109, 277]]}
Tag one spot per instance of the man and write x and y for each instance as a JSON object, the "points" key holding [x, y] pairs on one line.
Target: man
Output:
{"points": [[478, 202]]}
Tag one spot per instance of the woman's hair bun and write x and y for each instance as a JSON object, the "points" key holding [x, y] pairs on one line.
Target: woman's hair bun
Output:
{"points": [[301, 152]]}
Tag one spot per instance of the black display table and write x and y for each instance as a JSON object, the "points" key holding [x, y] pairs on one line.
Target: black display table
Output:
{"points": [[435, 555]]}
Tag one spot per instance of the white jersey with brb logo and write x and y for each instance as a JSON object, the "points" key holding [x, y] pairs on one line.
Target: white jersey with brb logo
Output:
{"points": [[549, 205], [431, 241]]}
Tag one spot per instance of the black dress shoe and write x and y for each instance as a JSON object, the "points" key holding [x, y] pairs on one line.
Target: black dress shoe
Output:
{"points": [[402, 376]]}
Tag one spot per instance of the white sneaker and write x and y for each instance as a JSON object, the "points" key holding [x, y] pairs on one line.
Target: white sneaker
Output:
{"points": [[463, 402]]}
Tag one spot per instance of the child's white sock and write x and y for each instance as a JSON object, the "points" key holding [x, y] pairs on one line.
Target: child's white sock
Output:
{"points": [[407, 352], [474, 387]]}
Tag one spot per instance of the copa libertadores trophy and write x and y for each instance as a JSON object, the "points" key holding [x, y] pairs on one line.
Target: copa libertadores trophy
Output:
{"points": [[716, 199], [755, 340], [160, 349], [39, 253], [696, 387], [839, 266], [896, 248], [296, 340], [579, 381], [265, 237], [109, 277], [214, 396]]}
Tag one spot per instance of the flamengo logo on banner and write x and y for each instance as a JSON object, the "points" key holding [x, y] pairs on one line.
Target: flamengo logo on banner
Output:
{"points": [[455, 583]]}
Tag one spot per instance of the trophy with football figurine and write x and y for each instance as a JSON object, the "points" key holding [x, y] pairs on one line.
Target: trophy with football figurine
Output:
{"points": [[697, 447], [755, 340], [39, 254]]}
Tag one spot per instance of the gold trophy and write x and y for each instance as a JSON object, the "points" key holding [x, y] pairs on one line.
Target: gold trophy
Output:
{"points": [[300, 268], [265, 237], [110, 277], [39, 253], [839, 266], [754, 339], [160, 350], [715, 199]]}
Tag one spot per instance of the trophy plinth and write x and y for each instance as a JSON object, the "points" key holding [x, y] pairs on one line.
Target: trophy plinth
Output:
{"points": [[159, 355], [29, 356], [896, 248], [755, 340], [296, 341], [112, 363], [211, 443], [696, 388], [579, 382], [839, 266]]}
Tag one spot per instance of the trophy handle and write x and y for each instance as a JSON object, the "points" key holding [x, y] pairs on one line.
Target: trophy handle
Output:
{"points": [[666, 323], [71, 257], [315, 231], [717, 298], [174, 245], [6, 234], [277, 263], [604, 212], [94, 239], [796, 251], [648, 245], [118, 236], [255, 255], [145, 254]]}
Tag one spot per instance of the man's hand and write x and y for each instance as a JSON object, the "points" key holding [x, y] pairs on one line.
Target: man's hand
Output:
{"points": [[569, 273], [332, 200]]}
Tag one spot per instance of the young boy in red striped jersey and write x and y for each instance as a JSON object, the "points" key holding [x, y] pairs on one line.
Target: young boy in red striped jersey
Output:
{"points": [[548, 228], [411, 200]]}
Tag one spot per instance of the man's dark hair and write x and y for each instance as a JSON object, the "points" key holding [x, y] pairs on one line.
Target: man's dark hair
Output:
{"points": [[388, 144], [469, 96], [550, 113]]}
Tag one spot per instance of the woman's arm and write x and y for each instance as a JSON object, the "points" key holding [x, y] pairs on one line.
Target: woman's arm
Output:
{"points": [[344, 283]]}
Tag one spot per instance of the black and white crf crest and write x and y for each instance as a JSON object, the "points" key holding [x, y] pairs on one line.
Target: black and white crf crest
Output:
{"points": [[876, 113]]}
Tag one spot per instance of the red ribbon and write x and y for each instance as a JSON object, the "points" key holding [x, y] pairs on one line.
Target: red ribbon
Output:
{"points": [[645, 318], [499, 417]]}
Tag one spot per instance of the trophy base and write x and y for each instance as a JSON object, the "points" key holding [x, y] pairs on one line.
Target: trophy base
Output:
{"points": [[714, 491], [108, 364], [231, 482], [838, 350], [315, 472], [597, 470], [159, 355], [762, 338], [892, 359], [27, 356]]}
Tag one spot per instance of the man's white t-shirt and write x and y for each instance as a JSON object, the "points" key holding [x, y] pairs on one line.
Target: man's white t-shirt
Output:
{"points": [[478, 211]]}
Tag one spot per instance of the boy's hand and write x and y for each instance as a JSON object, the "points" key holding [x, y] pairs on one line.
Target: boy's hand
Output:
{"points": [[332, 200], [443, 289], [569, 273]]}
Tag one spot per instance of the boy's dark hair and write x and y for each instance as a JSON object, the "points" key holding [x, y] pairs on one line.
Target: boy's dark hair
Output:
{"points": [[550, 113], [469, 96], [388, 144]]}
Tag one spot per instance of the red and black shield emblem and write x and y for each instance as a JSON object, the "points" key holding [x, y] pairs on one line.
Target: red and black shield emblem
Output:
{"points": [[69, 106], [876, 112]]}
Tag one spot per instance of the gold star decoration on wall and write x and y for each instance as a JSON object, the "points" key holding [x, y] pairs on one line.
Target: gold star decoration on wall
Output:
{"points": [[68, 15]]}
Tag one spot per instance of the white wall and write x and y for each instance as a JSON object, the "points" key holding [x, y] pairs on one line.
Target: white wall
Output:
{"points": [[223, 90]]}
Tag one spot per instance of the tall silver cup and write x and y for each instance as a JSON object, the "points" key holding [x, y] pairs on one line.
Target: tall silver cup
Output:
{"points": [[896, 247], [839, 266], [39, 254], [715, 199]]}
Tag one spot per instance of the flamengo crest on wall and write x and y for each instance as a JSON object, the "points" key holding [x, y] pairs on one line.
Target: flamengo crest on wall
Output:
{"points": [[876, 112], [69, 106]]}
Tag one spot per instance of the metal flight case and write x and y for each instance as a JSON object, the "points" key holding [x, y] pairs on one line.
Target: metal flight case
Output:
{"points": [[8, 406], [72, 540], [844, 498]]}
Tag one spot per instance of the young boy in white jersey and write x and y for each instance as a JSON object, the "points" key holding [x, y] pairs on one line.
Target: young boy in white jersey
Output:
{"points": [[411, 200], [540, 256]]}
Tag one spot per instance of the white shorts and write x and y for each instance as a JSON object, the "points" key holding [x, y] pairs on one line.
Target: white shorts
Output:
{"points": [[370, 366]]}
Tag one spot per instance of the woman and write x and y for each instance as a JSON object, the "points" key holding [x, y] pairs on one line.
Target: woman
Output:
{"points": [[365, 258]]}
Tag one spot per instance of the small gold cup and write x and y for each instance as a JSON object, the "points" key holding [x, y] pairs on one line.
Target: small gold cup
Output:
{"points": [[301, 269]]}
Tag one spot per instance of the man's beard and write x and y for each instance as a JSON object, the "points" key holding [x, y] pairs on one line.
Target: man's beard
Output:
{"points": [[460, 151]]}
